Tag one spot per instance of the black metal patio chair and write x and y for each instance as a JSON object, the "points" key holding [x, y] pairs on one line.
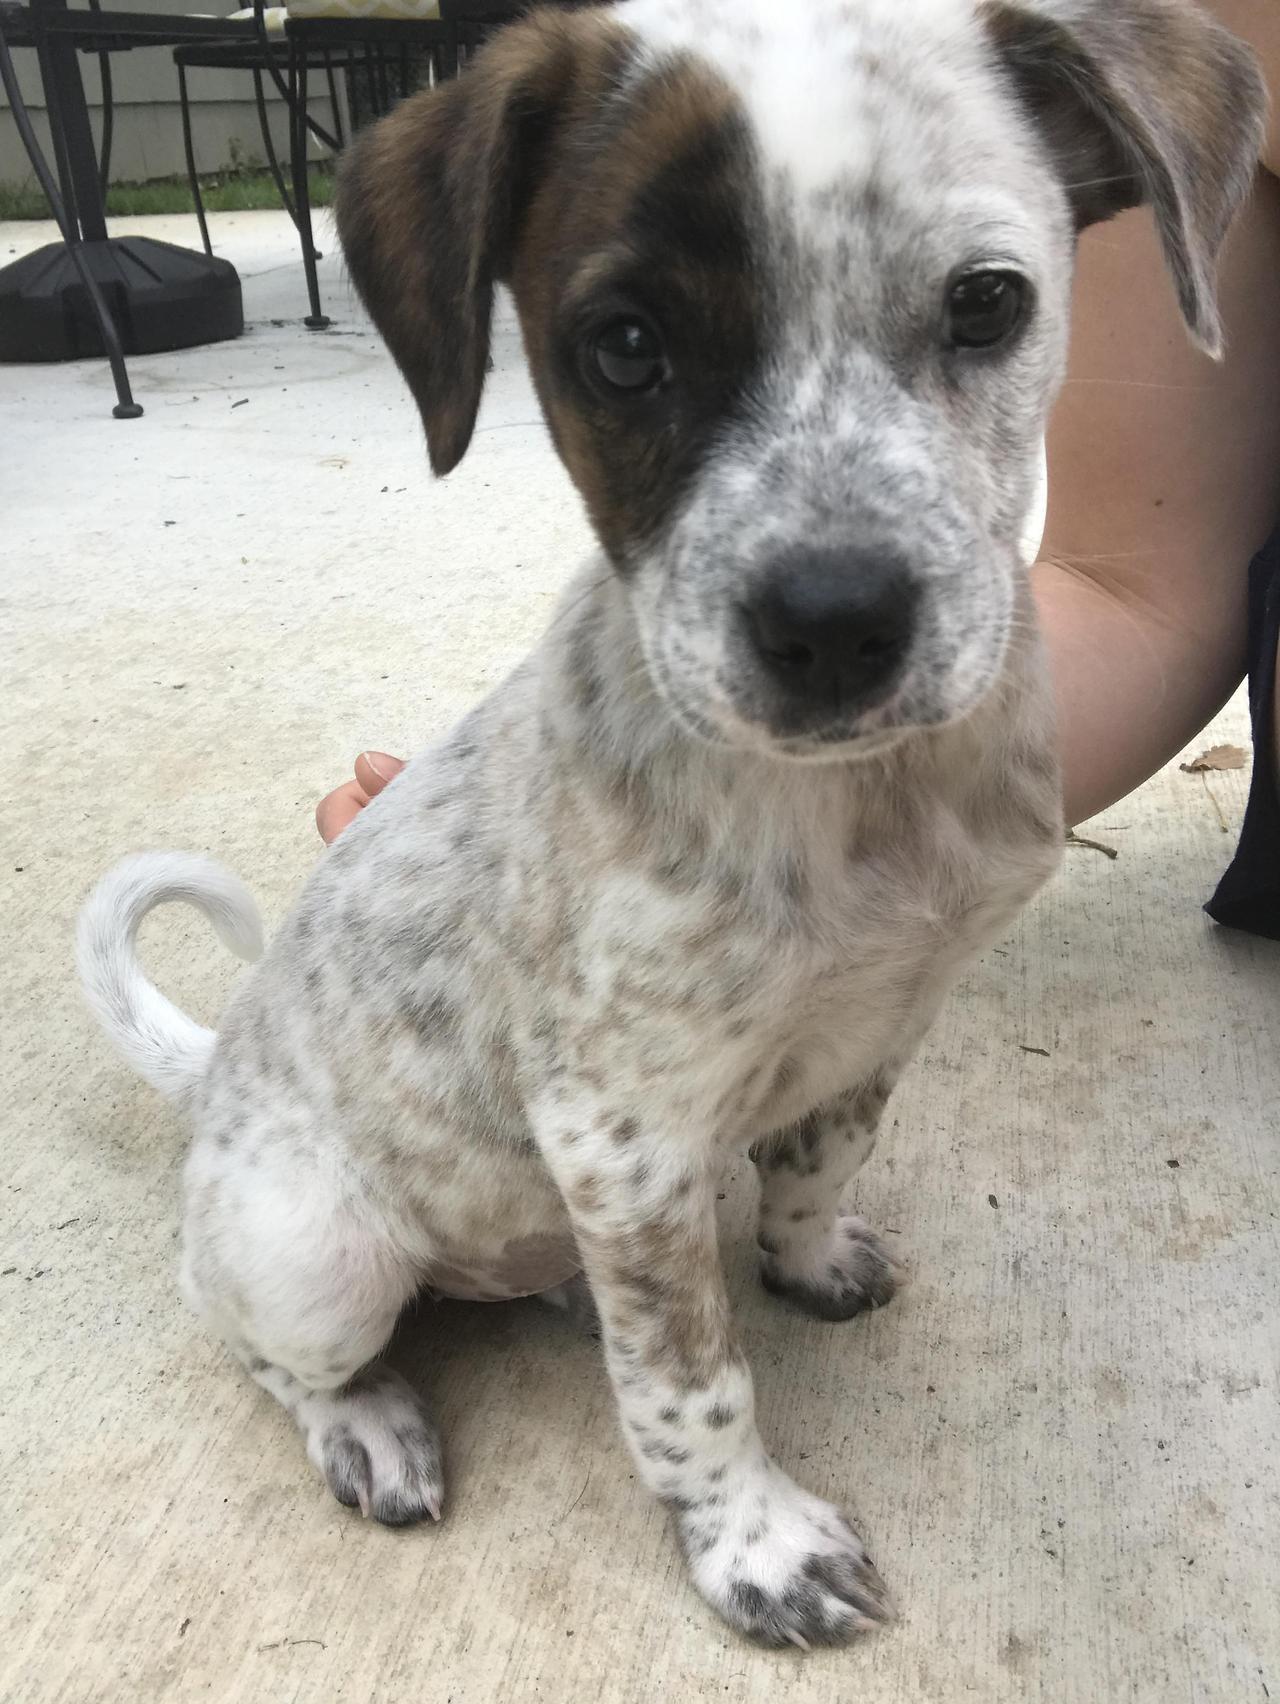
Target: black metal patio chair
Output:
{"points": [[91, 294], [268, 52], [94, 295], [377, 51]]}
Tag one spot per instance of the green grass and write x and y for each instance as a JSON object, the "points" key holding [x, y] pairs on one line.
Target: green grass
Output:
{"points": [[224, 192]]}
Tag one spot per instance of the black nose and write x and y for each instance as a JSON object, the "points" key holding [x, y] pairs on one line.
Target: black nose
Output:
{"points": [[832, 628]]}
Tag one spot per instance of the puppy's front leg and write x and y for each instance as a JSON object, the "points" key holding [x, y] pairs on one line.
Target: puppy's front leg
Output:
{"points": [[828, 1263], [773, 1560]]}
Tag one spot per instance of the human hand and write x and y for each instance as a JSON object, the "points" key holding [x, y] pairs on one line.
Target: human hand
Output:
{"points": [[373, 770]]}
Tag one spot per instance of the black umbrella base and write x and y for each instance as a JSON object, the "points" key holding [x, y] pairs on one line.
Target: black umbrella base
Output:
{"points": [[160, 297]]}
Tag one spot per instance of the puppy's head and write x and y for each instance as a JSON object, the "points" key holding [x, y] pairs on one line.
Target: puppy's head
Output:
{"points": [[794, 284]]}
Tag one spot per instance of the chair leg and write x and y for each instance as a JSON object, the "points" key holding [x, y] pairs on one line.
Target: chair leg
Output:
{"points": [[108, 125], [449, 51], [384, 87], [338, 131], [184, 107], [316, 320], [126, 408], [285, 87], [268, 143], [61, 159], [351, 81]]}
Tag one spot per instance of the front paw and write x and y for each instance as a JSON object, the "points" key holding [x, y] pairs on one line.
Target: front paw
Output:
{"points": [[854, 1272], [780, 1565]]}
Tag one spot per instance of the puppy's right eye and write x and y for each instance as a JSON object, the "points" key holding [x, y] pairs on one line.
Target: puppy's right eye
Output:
{"points": [[983, 308], [629, 356]]}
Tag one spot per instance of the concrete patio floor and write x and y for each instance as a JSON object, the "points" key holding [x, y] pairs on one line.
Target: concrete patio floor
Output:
{"points": [[1061, 1441]]}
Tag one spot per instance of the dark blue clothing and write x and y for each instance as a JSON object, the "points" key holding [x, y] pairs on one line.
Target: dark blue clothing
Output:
{"points": [[1248, 896]]}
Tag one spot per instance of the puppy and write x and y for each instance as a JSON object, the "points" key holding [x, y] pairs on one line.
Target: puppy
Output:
{"points": [[793, 283]]}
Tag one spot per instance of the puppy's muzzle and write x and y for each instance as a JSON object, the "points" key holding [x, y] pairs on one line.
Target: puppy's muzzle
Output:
{"points": [[831, 632]]}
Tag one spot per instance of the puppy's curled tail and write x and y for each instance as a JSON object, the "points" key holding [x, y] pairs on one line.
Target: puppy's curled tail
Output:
{"points": [[170, 1049]]}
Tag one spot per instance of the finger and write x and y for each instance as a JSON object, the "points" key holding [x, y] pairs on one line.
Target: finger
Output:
{"points": [[374, 769], [338, 808]]}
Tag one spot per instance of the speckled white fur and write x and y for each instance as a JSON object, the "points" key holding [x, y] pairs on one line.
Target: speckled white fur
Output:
{"points": [[611, 926]]}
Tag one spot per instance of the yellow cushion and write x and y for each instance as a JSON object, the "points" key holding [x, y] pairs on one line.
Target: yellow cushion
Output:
{"points": [[363, 8], [273, 17]]}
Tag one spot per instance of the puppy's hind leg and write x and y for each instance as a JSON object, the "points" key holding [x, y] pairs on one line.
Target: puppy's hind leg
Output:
{"points": [[300, 1275]]}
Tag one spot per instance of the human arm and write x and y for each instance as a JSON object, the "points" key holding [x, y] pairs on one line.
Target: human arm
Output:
{"points": [[1164, 480]]}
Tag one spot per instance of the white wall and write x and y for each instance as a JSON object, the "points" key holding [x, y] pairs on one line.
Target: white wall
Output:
{"points": [[148, 131]]}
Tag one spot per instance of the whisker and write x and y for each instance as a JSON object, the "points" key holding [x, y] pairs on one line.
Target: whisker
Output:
{"points": [[1096, 183], [1063, 558], [587, 591], [1137, 384], [636, 676]]}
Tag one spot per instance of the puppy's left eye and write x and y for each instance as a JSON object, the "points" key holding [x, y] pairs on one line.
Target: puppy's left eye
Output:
{"points": [[629, 356], [983, 308]]}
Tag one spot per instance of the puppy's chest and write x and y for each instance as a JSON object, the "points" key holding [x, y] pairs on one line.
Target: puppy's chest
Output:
{"points": [[797, 976]]}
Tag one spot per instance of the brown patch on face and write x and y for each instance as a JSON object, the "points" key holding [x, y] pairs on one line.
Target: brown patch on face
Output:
{"points": [[431, 198], [647, 215], [536, 168]]}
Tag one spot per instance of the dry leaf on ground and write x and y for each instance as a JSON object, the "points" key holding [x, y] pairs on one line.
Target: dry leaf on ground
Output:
{"points": [[1074, 839], [1217, 757]]}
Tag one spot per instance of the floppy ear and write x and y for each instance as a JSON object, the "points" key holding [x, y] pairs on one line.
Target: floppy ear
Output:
{"points": [[430, 202], [1143, 101]]}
